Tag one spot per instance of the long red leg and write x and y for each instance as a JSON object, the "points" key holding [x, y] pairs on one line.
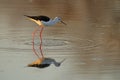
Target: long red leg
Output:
{"points": [[33, 36], [41, 42]]}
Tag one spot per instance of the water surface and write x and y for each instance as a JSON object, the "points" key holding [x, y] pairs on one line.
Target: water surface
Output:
{"points": [[90, 43]]}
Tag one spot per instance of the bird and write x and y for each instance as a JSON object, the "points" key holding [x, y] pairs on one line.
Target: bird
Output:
{"points": [[42, 21]]}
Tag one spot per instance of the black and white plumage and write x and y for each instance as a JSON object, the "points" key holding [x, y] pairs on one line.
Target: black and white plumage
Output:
{"points": [[44, 20], [41, 18]]}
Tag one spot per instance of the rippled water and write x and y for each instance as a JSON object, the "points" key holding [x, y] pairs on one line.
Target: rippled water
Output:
{"points": [[90, 43]]}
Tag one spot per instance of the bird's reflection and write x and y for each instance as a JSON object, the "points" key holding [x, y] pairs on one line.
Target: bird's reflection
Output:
{"points": [[45, 63]]}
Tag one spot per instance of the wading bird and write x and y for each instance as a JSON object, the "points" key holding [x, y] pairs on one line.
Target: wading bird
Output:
{"points": [[42, 21]]}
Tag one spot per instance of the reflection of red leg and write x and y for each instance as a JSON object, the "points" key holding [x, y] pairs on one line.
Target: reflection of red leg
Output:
{"points": [[41, 42], [33, 35]]}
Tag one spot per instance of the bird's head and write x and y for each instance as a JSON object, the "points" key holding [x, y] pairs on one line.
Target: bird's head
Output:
{"points": [[58, 19], [57, 64]]}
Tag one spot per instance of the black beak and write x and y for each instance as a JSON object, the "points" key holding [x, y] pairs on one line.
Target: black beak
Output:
{"points": [[63, 23]]}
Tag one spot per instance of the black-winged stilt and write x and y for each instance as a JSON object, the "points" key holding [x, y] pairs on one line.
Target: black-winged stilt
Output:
{"points": [[42, 21]]}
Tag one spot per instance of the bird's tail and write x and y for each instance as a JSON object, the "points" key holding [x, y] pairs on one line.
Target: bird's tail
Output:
{"points": [[27, 16]]}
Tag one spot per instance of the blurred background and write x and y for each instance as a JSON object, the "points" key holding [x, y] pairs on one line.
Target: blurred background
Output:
{"points": [[90, 43]]}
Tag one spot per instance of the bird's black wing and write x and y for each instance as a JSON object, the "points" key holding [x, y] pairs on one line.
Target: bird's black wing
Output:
{"points": [[41, 18], [44, 18]]}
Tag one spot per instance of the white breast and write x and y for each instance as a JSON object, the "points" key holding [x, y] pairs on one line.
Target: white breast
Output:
{"points": [[48, 23]]}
